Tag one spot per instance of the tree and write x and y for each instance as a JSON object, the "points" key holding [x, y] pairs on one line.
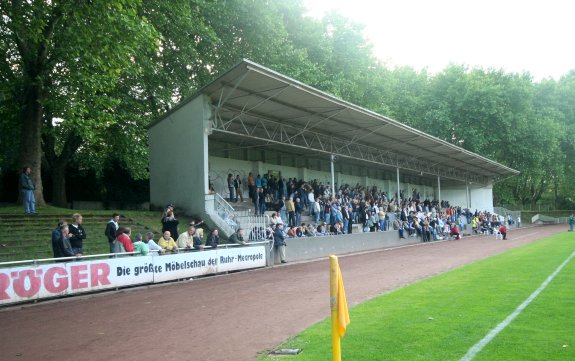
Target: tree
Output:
{"points": [[58, 60]]}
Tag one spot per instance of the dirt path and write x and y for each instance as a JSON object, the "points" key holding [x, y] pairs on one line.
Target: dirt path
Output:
{"points": [[229, 317]]}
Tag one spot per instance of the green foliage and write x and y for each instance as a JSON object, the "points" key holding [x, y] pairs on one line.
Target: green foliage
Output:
{"points": [[100, 71]]}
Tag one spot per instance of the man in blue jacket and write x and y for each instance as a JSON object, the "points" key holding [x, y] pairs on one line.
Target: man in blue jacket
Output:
{"points": [[28, 187]]}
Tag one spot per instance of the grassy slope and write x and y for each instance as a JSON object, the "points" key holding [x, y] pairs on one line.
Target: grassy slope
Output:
{"points": [[29, 237], [442, 317]]}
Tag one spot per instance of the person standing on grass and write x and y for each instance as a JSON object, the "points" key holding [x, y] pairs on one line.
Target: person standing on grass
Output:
{"points": [[78, 234], [571, 222], [170, 222], [28, 187], [111, 228]]}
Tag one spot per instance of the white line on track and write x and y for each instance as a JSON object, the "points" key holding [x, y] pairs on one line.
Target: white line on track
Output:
{"points": [[473, 351]]}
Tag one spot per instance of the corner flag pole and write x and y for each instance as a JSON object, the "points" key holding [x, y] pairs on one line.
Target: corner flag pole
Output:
{"points": [[338, 303]]}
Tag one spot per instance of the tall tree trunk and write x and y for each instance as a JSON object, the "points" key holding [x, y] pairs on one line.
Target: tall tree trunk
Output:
{"points": [[59, 184], [30, 139]]}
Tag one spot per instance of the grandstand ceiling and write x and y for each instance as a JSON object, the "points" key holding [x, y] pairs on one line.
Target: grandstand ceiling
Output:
{"points": [[257, 107]]}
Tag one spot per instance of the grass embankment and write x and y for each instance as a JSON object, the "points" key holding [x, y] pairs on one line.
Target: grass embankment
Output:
{"points": [[29, 237], [441, 318]]}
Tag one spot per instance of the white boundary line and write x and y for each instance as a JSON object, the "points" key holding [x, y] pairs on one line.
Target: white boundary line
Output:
{"points": [[473, 351]]}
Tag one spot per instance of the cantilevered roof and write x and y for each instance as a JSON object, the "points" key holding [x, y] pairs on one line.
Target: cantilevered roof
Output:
{"points": [[265, 108]]}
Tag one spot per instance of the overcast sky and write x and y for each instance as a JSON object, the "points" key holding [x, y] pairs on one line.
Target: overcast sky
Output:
{"points": [[533, 36]]}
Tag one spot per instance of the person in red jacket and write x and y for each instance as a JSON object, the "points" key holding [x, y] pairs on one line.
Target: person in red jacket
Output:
{"points": [[503, 231], [455, 232], [123, 237]]}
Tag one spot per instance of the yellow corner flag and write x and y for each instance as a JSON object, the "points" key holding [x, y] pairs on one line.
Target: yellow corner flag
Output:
{"points": [[338, 302]]}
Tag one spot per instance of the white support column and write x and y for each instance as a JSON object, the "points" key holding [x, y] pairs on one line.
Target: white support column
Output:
{"points": [[467, 194], [332, 176], [439, 189], [398, 190]]}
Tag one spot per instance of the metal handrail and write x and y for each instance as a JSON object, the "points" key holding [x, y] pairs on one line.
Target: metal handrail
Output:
{"points": [[114, 255]]}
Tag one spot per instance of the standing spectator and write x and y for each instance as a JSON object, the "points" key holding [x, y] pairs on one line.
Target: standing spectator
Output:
{"points": [[279, 242], [262, 201], [571, 223], [251, 185], [186, 239], [167, 243], [170, 222], [61, 246], [57, 233], [78, 234], [290, 208], [298, 210], [140, 246], [231, 187], [311, 202], [213, 239], [256, 200], [123, 240], [111, 228], [28, 188], [282, 208], [518, 221], [238, 188], [151, 244]]}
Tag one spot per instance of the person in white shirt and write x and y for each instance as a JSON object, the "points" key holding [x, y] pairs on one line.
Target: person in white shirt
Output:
{"points": [[311, 201], [153, 246]]}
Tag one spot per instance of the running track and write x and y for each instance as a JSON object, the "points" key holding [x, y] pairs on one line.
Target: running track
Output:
{"points": [[227, 317]]}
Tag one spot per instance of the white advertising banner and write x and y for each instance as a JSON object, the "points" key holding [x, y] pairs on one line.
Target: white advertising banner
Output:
{"points": [[33, 282], [186, 265]]}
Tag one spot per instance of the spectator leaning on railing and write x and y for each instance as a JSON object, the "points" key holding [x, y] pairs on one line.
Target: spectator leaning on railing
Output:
{"points": [[61, 246]]}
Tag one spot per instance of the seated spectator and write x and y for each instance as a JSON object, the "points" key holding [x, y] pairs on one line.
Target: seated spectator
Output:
{"points": [[237, 237], [310, 230], [167, 243], [61, 245], [186, 239], [291, 232], [213, 239], [123, 241], [152, 246], [300, 230], [455, 232], [322, 229], [198, 239], [140, 246], [503, 231]]}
